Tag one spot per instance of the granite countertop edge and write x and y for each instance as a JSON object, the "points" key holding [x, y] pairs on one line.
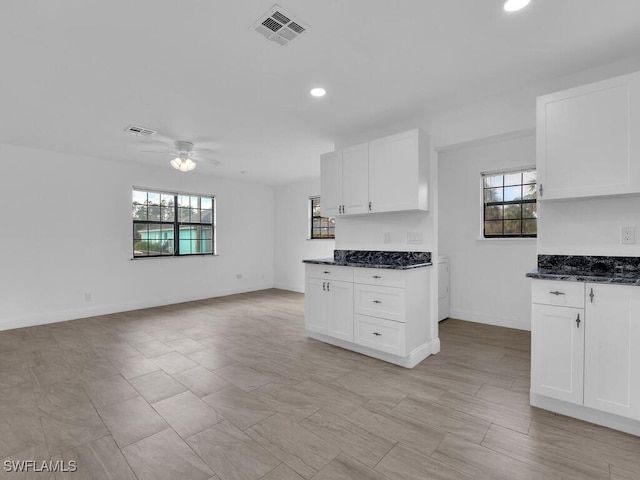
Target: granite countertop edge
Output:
{"points": [[331, 261], [583, 277]]}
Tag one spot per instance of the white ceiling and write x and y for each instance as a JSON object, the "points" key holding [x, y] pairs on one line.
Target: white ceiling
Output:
{"points": [[76, 72]]}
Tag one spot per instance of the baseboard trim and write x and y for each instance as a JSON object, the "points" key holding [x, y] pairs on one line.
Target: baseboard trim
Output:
{"points": [[410, 361], [490, 320], [587, 414]]}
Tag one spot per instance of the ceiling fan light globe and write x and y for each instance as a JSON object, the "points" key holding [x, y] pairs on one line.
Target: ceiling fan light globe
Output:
{"points": [[183, 164]]}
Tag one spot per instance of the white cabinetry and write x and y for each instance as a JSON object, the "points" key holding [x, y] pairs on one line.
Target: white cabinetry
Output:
{"points": [[329, 301], [386, 175], [331, 183], [383, 313], [443, 288], [612, 349], [397, 177], [585, 350], [587, 141]]}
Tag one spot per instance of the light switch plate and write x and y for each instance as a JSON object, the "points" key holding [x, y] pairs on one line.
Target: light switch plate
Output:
{"points": [[414, 237]]}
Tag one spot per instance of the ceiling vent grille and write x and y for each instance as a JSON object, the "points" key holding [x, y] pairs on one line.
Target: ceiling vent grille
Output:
{"points": [[279, 27], [140, 131]]}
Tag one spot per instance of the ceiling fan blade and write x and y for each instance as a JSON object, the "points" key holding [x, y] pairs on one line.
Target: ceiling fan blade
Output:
{"points": [[205, 150], [208, 160], [166, 152]]}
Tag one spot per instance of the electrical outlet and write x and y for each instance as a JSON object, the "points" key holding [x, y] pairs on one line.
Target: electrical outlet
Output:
{"points": [[414, 237], [627, 235], [239, 276], [87, 297]]}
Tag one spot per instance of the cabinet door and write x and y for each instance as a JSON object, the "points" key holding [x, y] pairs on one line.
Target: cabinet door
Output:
{"points": [[315, 305], [340, 310], [330, 183], [355, 179], [587, 142], [397, 180], [557, 352], [612, 349]]}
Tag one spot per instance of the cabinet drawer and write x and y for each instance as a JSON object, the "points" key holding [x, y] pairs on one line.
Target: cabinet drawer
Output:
{"points": [[384, 335], [379, 276], [381, 302], [559, 293], [329, 272]]}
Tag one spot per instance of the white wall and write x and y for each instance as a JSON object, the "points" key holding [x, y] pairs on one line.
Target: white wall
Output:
{"points": [[488, 283], [588, 226], [68, 232], [291, 234]]}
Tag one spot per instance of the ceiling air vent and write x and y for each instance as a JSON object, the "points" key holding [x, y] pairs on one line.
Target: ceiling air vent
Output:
{"points": [[279, 27], [140, 131]]}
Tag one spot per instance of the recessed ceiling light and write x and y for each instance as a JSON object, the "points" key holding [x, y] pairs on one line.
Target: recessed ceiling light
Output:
{"points": [[515, 5], [318, 92]]}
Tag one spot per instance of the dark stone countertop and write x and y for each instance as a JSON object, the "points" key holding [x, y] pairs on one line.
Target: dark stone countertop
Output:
{"points": [[580, 276], [394, 266]]}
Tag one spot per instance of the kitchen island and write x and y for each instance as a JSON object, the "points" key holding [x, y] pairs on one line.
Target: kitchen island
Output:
{"points": [[375, 303]]}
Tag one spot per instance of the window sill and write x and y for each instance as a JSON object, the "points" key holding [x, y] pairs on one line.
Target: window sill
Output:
{"points": [[315, 239], [507, 239]]}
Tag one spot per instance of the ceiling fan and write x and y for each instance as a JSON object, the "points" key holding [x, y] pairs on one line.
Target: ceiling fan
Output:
{"points": [[185, 155]]}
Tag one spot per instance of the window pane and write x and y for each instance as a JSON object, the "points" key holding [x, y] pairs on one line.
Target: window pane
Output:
{"points": [[140, 231], [207, 232], [139, 212], [512, 193], [529, 177], [185, 247], [183, 201], [513, 211], [493, 194], [207, 216], [512, 227], [207, 246], [167, 232], [166, 210], [195, 215], [139, 197], [493, 228], [513, 179], [529, 210], [495, 181], [493, 213], [207, 203], [529, 191], [530, 227], [316, 231], [167, 247], [140, 248], [154, 213], [183, 214]]}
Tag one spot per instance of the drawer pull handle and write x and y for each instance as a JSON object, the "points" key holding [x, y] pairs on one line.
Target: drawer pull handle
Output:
{"points": [[591, 295], [326, 271], [578, 321], [377, 334], [324, 286], [377, 301], [557, 293], [376, 276]]}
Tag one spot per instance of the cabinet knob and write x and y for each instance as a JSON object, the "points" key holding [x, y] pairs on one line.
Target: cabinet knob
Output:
{"points": [[324, 286], [557, 293], [377, 301], [328, 285], [377, 334], [376, 276]]}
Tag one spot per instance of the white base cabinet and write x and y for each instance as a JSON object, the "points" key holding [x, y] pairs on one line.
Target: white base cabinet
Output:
{"points": [[382, 313], [585, 351]]}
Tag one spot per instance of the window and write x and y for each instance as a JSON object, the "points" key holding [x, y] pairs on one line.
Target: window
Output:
{"points": [[172, 224], [320, 227], [509, 208]]}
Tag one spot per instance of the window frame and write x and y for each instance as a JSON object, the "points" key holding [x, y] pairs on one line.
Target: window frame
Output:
{"points": [[483, 204], [311, 217], [176, 223]]}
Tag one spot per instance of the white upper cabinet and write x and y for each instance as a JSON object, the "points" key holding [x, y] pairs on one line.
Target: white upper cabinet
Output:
{"points": [[355, 179], [588, 140], [386, 175], [331, 184], [397, 176]]}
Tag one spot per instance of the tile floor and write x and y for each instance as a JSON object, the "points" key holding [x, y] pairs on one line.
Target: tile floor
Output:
{"points": [[232, 389]]}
